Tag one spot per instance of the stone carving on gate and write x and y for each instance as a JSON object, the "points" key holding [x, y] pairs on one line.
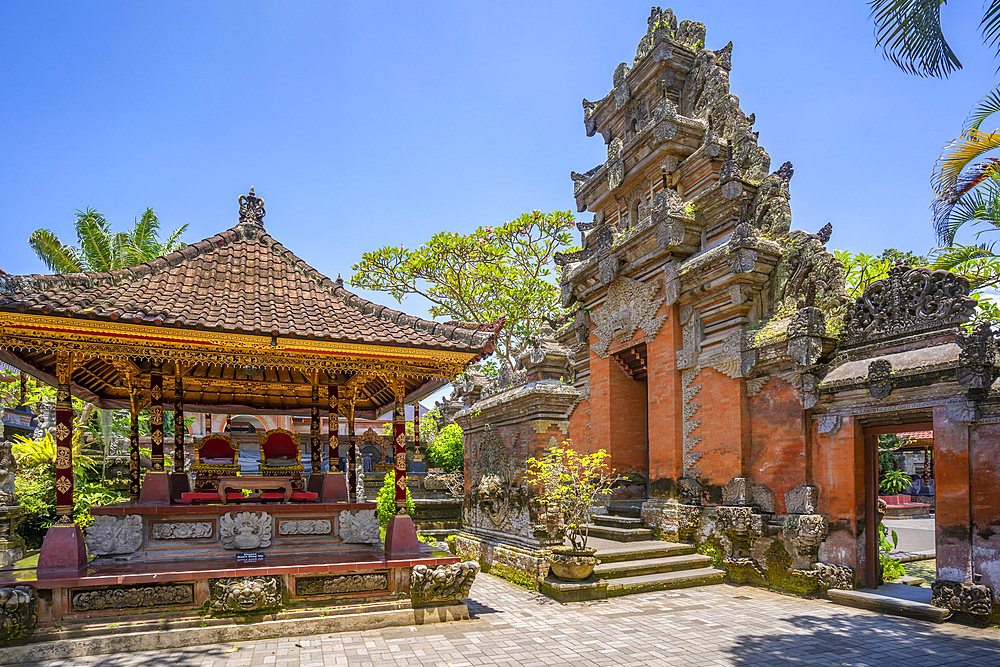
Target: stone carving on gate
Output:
{"points": [[305, 527], [359, 527], [630, 305], [908, 301], [113, 535], [132, 597], [829, 576], [743, 528], [689, 408], [8, 468], [181, 530], [880, 379], [828, 425], [805, 333], [243, 594], [801, 499], [806, 532], [18, 613], [444, 583], [493, 477], [974, 599], [350, 583], [977, 360], [245, 531], [742, 491]]}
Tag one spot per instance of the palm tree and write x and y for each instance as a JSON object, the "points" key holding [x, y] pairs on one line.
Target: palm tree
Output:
{"points": [[99, 248], [966, 191]]}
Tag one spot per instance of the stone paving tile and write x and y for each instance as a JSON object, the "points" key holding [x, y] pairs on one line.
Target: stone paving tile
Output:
{"points": [[714, 626]]}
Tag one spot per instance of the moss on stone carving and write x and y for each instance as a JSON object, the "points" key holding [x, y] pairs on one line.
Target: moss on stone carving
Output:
{"points": [[781, 575], [512, 575], [712, 547]]}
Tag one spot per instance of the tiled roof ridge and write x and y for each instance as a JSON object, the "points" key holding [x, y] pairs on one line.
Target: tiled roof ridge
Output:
{"points": [[481, 336]]}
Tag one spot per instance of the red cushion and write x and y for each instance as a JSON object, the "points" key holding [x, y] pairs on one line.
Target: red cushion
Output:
{"points": [[280, 444], [216, 448]]}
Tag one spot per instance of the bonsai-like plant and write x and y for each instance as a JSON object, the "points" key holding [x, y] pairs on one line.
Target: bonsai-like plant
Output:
{"points": [[571, 483]]}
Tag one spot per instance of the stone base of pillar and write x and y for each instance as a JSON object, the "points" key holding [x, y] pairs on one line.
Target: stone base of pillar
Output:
{"points": [[179, 483], [63, 549], [401, 537], [155, 489], [334, 488]]}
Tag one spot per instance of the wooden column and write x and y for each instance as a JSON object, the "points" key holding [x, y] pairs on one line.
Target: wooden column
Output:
{"points": [[178, 424], [416, 430], [134, 485], [333, 427], [156, 417], [208, 423], [315, 451], [350, 396], [64, 438], [399, 444]]}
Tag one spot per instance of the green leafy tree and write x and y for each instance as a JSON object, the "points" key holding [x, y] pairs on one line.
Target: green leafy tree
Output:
{"points": [[99, 248], [448, 450], [385, 503], [494, 273]]}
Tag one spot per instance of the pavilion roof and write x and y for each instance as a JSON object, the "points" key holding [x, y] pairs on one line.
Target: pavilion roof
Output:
{"points": [[240, 281]]}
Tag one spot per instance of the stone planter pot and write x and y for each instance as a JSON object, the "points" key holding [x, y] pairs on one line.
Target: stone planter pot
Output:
{"points": [[573, 565]]}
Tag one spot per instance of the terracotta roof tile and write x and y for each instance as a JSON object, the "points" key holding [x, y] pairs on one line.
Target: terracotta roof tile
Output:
{"points": [[241, 280]]}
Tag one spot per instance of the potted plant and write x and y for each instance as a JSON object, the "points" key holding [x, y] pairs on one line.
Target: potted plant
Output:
{"points": [[571, 483]]}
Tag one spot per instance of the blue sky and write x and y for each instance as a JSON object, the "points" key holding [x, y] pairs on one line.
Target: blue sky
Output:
{"points": [[363, 124]]}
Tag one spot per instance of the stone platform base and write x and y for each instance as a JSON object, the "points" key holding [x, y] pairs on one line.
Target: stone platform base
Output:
{"points": [[152, 635], [518, 564], [590, 588], [896, 599]]}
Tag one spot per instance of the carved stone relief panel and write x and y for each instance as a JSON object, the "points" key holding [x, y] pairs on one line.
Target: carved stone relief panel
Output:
{"points": [[305, 527], [630, 305], [974, 599], [359, 527], [18, 612], [242, 594], [113, 535], [245, 531], [131, 597], [351, 583], [181, 530], [880, 379]]}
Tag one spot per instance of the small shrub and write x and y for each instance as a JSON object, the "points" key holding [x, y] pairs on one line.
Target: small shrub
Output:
{"points": [[892, 569], [894, 481], [386, 501]]}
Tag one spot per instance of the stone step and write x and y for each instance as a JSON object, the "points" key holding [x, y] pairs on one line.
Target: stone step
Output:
{"points": [[626, 508], [633, 568], [620, 534], [643, 551], [618, 521], [644, 583], [895, 599]]}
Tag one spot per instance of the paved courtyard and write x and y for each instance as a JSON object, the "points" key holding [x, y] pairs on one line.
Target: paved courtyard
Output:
{"points": [[715, 625]]}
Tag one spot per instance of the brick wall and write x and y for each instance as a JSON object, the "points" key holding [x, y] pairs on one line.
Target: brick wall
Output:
{"points": [[778, 452], [838, 473], [665, 399], [724, 429]]}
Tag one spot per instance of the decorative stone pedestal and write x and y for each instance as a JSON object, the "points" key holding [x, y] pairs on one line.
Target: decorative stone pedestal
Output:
{"points": [[63, 549], [11, 543], [179, 483], [401, 536], [590, 588], [155, 489], [334, 488]]}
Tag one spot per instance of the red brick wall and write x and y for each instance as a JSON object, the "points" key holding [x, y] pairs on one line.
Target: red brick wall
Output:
{"points": [[952, 507], [618, 415], [666, 431], [838, 473], [985, 462], [778, 453], [724, 428], [580, 431]]}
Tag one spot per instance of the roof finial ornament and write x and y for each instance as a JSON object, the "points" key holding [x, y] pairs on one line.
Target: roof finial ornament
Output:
{"points": [[251, 209]]}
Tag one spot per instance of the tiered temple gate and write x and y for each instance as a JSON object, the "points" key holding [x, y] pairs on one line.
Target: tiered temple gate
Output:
{"points": [[234, 323]]}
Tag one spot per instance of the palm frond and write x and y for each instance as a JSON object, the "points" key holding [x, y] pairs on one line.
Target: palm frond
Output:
{"points": [[976, 197], [986, 107], [909, 32], [990, 24], [56, 256], [173, 241], [956, 156], [144, 238], [979, 264], [94, 233]]}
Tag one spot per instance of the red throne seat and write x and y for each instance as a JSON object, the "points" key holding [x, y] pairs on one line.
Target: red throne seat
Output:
{"points": [[280, 457], [215, 457]]}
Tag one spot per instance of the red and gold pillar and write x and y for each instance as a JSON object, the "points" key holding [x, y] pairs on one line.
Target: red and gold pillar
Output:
{"points": [[315, 451], [399, 444], [156, 417], [178, 424], [64, 438], [333, 426], [208, 423], [350, 396], [416, 431], [133, 446]]}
